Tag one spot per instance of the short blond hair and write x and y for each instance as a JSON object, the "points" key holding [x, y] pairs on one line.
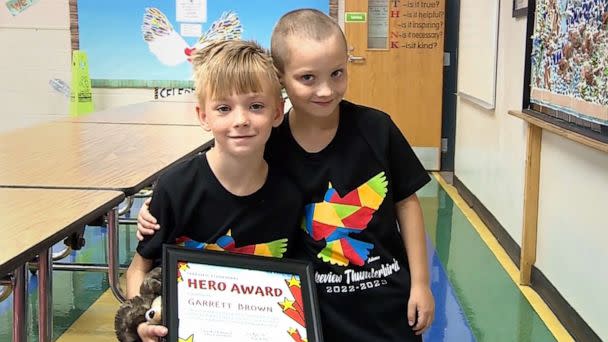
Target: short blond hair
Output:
{"points": [[306, 23], [231, 67]]}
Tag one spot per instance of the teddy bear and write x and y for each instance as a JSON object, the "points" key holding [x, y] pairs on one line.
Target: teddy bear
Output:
{"points": [[139, 309]]}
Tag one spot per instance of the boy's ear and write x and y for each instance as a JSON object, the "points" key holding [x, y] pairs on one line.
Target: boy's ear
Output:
{"points": [[278, 115], [202, 118]]}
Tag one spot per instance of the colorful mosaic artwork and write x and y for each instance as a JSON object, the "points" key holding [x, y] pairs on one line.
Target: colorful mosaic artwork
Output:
{"points": [[569, 57]]}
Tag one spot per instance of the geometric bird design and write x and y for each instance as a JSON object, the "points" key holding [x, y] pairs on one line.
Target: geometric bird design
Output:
{"points": [[169, 46], [226, 243], [336, 217]]}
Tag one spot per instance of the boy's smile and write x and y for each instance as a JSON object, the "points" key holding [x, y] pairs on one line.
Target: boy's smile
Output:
{"points": [[242, 139], [241, 123], [315, 75], [324, 103]]}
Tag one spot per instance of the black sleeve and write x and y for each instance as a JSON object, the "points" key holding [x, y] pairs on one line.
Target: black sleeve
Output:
{"points": [[296, 213], [162, 210], [408, 174]]}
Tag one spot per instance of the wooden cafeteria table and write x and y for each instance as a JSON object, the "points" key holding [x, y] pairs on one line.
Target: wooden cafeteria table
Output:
{"points": [[181, 112], [122, 157], [94, 156], [32, 221]]}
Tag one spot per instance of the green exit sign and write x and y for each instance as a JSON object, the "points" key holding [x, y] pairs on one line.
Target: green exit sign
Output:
{"points": [[355, 17]]}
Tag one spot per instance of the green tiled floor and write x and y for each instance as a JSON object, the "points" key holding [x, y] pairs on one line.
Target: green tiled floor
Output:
{"points": [[494, 306]]}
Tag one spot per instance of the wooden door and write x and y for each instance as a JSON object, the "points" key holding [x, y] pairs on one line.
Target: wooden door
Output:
{"points": [[396, 65]]}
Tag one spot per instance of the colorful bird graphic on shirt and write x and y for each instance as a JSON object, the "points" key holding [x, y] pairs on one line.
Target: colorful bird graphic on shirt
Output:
{"points": [[337, 217], [171, 49], [226, 243]]}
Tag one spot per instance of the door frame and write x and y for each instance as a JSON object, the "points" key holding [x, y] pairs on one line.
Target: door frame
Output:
{"points": [[450, 77]]}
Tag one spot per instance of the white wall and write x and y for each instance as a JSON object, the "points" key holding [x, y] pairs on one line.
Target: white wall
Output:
{"points": [[572, 226], [490, 145], [35, 48]]}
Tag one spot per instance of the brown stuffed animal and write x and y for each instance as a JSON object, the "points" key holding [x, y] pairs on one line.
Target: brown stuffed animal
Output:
{"points": [[140, 308]]}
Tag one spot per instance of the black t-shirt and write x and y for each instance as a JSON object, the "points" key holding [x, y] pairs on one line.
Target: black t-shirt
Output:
{"points": [[352, 235], [195, 210]]}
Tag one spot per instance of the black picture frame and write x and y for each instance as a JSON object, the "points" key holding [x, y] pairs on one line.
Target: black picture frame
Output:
{"points": [[175, 255], [519, 10], [596, 132]]}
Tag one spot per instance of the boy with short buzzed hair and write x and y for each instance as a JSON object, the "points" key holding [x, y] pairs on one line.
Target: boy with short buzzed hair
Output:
{"points": [[363, 223]]}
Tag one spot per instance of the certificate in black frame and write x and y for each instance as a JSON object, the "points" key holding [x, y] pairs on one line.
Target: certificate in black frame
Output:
{"points": [[173, 256]]}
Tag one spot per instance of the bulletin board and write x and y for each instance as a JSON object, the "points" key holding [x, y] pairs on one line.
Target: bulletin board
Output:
{"points": [[477, 51], [145, 43], [567, 65]]}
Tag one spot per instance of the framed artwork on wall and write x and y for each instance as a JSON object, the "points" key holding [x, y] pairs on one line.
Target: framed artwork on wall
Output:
{"points": [[566, 75], [520, 8]]}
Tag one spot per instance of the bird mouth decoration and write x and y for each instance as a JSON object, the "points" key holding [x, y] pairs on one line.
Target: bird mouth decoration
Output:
{"points": [[189, 52]]}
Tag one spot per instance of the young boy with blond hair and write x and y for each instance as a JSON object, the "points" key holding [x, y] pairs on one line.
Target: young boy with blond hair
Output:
{"points": [[229, 192], [363, 226]]}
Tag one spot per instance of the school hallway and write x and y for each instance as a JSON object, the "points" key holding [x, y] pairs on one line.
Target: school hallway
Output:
{"points": [[473, 282]]}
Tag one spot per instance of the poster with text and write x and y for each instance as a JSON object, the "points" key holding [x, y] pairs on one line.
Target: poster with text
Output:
{"points": [[217, 303]]}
